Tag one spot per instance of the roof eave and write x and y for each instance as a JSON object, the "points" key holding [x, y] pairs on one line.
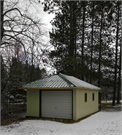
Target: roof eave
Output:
{"points": [[57, 88]]}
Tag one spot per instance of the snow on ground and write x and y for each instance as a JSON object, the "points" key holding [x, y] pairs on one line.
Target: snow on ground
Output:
{"points": [[101, 123], [109, 101]]}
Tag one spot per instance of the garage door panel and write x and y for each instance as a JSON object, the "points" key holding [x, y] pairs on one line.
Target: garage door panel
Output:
{"points": [[57, 97], [56, 104], [61, 109], [58, 115]]}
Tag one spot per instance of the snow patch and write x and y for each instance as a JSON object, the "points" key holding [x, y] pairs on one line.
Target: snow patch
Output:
{"points": [[101, 123]]}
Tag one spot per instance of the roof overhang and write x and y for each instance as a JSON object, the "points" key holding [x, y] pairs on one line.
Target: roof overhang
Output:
{"points": [[57, 88]]}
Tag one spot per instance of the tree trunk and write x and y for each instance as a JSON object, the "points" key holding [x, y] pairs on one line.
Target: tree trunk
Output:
{"points": [[119, 79], [1, 7], [91, 36], [32, 61], [71, 51], [115, 73], [83, 29], [99, 67], [1, 36]]}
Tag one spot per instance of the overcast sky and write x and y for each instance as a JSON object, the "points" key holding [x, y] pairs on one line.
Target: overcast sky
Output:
{"points": [[36, 10], [46, 18]]}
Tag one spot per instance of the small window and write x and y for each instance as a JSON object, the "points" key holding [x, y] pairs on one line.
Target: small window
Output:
{"points": [[92, 96], [85, 97]]}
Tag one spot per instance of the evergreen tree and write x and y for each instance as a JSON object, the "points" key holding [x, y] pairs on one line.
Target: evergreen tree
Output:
{"points": [[19, 74], [83, 47], [119, 79], [4, 78], [116, 22], [15, 78], [65, 36]]}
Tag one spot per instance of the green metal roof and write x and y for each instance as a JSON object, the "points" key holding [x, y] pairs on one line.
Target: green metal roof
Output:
{"points": [[59, 81], [79, 83]]}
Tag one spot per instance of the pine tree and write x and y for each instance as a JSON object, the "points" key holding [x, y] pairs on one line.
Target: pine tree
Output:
{"points": [[66, 37], [119, 79], [117, 20], [4, 80], [83, 46], [15, 78]]}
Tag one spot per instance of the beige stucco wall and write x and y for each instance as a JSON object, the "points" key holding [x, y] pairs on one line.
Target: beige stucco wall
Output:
{"points": [[33, 102], [74, 104], [82, 108]]}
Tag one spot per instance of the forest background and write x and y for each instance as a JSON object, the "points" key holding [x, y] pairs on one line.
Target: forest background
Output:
{"points": [[86, 40]]}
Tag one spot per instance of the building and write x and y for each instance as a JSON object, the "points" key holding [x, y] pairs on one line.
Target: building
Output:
{"points": [[61, 96]]}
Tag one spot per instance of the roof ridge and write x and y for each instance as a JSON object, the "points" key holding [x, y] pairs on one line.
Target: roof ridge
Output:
{"points": [[65, 79]]}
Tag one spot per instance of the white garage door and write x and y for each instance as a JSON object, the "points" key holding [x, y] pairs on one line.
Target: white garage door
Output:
{"points": [[56, 104]]}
